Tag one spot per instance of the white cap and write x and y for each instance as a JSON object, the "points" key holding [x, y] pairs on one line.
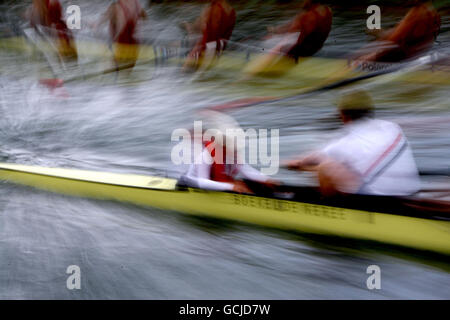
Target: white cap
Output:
{"points": [[223, 124]]}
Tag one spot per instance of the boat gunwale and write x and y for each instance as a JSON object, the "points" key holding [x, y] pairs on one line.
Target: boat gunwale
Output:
{"points": [[339, 204]]}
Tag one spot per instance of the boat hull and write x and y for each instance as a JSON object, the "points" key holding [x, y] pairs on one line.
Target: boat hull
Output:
{"points": [[419, 233]]}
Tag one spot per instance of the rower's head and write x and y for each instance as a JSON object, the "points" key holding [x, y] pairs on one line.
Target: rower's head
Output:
{"points": [[224, 131], [355, 105]]}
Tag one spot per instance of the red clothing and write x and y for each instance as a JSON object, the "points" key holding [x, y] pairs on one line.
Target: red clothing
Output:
{"points": [[126, 34], [414, 34], [220, 172], [55, 20], [219, 25], [48, 13], [314, 26], [54, 12]]}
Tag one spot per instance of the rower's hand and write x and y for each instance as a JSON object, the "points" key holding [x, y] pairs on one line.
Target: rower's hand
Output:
{"points": [[293, 164], [187, 27], [301, 165], [241, 187], [270, 183], [307, 163]]}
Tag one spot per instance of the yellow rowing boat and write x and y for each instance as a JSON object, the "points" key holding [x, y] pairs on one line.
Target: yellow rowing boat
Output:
{"points": [[403, 222]]}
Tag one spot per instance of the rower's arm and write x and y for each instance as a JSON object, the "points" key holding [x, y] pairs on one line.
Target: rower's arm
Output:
{"points": [[306, 25], [288, 27], [398, 33], [307, 163], [199, 24], [208, 184], [251, 173], [199, 175]]}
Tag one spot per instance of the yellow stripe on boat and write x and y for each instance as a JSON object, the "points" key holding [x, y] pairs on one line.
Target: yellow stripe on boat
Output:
{"points": [[419, 233], [129, 180]]}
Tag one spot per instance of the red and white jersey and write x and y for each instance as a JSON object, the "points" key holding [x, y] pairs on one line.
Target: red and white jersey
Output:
{"points": [[201, 173], [379, 153]]}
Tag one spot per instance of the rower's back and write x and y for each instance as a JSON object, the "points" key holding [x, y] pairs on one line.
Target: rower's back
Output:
{"points": [[127, 14], [374, 155], [379, 153], [314, 24], [417, 31], [220, 22]]}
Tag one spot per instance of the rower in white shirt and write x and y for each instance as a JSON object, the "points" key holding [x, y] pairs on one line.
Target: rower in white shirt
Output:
{"points": [[219, 166], [372, 157]]}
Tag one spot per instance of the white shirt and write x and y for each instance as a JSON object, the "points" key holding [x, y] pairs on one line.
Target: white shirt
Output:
{"points": [[379, 153], [199, 174]]}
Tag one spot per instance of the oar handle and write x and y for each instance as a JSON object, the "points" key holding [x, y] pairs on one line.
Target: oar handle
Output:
{"points": [[423, 172], [435, 172]]}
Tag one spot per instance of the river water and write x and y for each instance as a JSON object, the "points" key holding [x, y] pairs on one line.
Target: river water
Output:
{"points": [[124, 124]]}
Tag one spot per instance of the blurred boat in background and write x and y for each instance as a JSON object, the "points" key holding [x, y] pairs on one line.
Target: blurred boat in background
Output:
{"points": [[235, 60]]}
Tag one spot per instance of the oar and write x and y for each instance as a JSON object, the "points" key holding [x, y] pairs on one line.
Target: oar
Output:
{"points": [[56, 83], [323, 52], [423, 172], [401, 67]]}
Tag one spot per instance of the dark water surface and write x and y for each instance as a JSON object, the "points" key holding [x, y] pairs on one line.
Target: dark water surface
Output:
{"points": [[124, 124]]}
